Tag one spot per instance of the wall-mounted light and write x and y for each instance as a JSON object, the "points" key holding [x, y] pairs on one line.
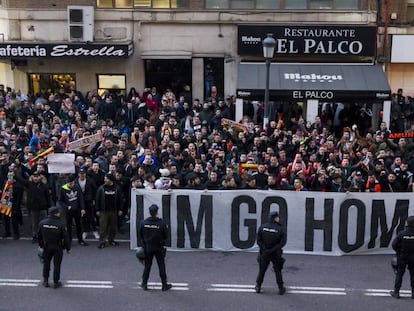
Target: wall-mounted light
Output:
{"points": [[31, 28]]}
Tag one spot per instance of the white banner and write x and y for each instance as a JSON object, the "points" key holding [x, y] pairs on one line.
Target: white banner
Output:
{"points": [[322, 223], [61, 163]]}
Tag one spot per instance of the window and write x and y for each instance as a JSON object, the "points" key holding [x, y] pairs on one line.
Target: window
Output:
{"points": [[321, 4], [112, 82], [52, 82], [104, 4], [217, 4], [296, 4], [267, 4], [242, 4], [142, 3], [347, 4], [123, 4]]}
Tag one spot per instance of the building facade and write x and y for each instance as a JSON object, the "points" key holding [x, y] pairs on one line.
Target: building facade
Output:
{"points": [[119, 44]]}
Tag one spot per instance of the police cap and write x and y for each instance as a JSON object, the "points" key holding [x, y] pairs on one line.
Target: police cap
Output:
{"points": [[410, 221], [273, 214], [54, 210], [153, 208]]}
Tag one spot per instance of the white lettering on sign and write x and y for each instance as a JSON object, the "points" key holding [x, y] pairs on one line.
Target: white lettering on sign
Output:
{"points": [[242, 93], [64, 50], [310, 94], [251, 40], [313, 77], [327, 33], [313, 46], [20, 51]]}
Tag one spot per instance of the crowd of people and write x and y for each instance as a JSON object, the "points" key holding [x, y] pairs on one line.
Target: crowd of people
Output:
{"points": [[170, 141]]}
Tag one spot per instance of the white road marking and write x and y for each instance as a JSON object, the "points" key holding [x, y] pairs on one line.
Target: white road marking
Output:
{"points": [[89, 282], [385, 293], [248, 288], [19, 282], [87, 286]]}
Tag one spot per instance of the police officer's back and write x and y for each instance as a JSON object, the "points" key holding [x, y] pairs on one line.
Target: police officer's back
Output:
{"points": [[271, 238], [403, 245], [153, 235], [53, 238]]}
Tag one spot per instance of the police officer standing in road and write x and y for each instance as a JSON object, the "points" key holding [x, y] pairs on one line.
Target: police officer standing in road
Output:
{"points": [[403, 245], [271, 237], [53, 238], [152, 236]]}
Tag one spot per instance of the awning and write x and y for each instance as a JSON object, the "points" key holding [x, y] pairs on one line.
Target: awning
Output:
{"points": [[297, 82]]}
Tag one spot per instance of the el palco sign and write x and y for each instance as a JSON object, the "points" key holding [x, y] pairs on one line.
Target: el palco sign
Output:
{"points": [[17, 50], [310, 41]]}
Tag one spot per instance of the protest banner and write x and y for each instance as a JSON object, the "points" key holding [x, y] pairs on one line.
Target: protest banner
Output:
{"points": [[63, 163], [85, 141], [320, 223]]}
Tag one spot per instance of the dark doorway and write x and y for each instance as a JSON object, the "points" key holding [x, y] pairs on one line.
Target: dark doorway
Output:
{"points": [[166, 74], [213, 75]]}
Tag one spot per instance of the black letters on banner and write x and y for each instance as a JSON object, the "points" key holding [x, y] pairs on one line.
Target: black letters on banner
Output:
{"points": [[343, 225], [325, 224], [378, 215], [184, 218], [166, 215], [251, 224], [140, 214]]}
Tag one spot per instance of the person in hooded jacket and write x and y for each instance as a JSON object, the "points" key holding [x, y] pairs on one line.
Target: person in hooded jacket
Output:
{"points": [[72, 199], [403, 244], [153, 235]]}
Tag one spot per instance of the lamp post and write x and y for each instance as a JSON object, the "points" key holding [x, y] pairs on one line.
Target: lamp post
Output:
{"points": [[269, 44]]}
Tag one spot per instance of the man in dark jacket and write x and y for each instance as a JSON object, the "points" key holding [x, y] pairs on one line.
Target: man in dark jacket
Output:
{"points": [[403, 245], [39, 196], [88, 187], [71, 198], [152, 236], [271, 237], [108, 206], [53, 238]]}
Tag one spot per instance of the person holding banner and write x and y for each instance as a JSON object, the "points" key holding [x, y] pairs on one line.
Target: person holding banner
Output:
{"points": [[403, 245], [40, 198], [271, 238]]}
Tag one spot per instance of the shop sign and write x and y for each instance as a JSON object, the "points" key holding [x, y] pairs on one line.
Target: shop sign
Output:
{"points": [[34, 50], [326, 43]]}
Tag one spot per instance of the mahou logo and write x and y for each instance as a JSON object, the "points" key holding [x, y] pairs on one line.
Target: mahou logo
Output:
{"points": [[251, 40], [312, 77]]}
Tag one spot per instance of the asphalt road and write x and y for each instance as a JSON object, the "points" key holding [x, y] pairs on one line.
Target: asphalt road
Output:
{"points": [[108, 279]]}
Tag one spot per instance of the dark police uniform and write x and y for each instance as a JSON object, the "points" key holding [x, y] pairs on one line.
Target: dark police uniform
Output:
{"points": [[271, 237], [53, 238], [153, 235], [403, 245]]}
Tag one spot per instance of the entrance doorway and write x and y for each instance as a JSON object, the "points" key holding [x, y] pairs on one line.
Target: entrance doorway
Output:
{"points": [[166, 74]]}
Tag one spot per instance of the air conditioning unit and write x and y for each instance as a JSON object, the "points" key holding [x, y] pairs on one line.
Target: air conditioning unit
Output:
{"points": [[80, 23]]}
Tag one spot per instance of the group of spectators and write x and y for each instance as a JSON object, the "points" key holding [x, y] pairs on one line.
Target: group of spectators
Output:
{"points": [[168, 141]]}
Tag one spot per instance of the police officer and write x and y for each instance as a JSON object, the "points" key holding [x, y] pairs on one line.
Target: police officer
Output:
{"points": [[153, 235], [403, 245], [53, 238], [271, 237]]}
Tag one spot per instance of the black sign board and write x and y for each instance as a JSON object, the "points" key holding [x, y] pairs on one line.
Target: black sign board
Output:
{"points": [[61, 50], [346, 43]]}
